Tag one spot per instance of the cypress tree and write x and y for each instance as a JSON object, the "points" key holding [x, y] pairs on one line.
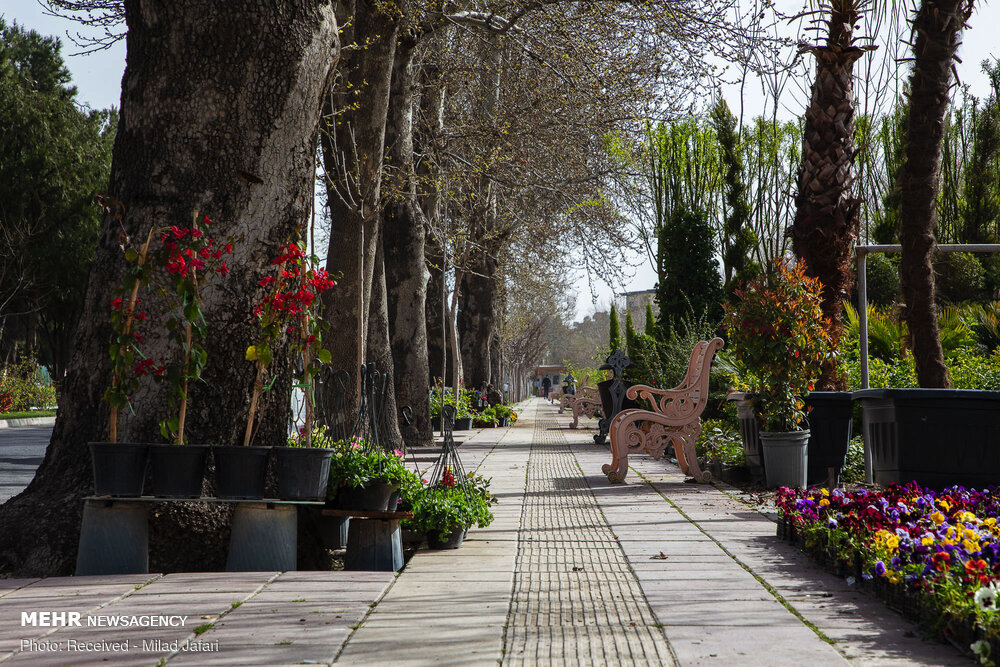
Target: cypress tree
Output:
{"points": [[615, 331], [691, 288], [738, 239], [650, 328]]}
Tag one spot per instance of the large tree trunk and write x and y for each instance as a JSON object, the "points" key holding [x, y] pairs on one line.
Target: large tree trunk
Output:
{"points": [[352, 158], [379, 351], [826, 215], [937, 28], [220, 106], [406, 272], [434, 316], [477, 320], [403, 243]]}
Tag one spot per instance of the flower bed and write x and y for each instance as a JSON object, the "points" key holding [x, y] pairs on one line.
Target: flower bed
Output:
{"points": [[934, 556]]}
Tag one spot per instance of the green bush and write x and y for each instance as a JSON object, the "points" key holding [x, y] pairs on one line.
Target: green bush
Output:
{"points": [[24, 386], [882, 278], [720, 441], [854, 467], [959, 277]]}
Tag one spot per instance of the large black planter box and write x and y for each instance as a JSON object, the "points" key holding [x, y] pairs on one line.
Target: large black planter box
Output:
{"points": [[936, 437], [830, 433]]}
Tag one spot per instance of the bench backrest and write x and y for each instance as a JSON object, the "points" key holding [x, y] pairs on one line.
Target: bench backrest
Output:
{"points": [[695, 383]]}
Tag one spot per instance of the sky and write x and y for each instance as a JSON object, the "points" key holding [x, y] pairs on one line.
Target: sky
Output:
{"points": [[98, 75]]}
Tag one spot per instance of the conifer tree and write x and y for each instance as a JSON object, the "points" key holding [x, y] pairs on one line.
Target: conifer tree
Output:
{"points": [[615, 331]]}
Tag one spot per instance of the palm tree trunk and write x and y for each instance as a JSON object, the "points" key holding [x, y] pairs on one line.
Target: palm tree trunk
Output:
{"points": [[826, 216], [937, 27]]}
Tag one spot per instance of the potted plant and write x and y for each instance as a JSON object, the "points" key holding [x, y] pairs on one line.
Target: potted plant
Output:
{"points": [[172, 269], [441, 396], [290, 308], [120, 468], [189, 258], [777, 332], [445, 510], [486, 418], [505, 415], [363, 476]]}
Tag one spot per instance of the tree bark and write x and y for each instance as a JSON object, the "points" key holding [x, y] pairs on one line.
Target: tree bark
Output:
{"points": [[404, 230], [477, 320], [826, 214], [220, 106], [379, 351], [937, 26], [436, 342], [352, 158]]}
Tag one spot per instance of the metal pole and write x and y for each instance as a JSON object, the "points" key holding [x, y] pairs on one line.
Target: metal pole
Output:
{"points": [[863, 326], [863, 312], [444, 327]]}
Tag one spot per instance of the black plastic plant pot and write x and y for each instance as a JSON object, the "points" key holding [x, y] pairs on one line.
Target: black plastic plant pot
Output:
{"points": [[463, 423], [371, 498], [607, 401], [936, 437], [302, 472], [177, 470], [452, 540], [830, 433], [240, 472], [119, 468]]}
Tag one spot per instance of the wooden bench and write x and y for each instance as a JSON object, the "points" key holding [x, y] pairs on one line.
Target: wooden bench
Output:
{"points": [[675, 419]]}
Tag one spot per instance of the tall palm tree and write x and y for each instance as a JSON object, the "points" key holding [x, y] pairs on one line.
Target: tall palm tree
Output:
{"points": [[826, 216], [937, 28]]}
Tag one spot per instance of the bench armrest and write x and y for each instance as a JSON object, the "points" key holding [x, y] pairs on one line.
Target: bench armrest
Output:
{"points": [[675, 403]]}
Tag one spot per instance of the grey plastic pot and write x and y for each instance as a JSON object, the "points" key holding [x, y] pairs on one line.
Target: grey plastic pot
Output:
{"points": [[786, 455]]}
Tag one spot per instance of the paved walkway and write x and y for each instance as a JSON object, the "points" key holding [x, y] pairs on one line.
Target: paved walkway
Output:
{"points": [[573, 571]]}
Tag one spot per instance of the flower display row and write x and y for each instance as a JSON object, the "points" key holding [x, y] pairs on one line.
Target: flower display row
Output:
{"points": [[934, 553]]}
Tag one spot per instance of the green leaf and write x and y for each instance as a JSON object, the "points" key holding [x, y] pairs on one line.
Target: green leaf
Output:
{"points": [[264, 354], [131, 256], [323, 356]]}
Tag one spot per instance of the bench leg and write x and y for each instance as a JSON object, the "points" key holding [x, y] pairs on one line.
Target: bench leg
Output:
{"points": [[621, 430], [114, 538], [264, 538]]}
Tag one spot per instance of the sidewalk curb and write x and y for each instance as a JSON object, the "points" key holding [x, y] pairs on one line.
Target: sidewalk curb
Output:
{"points": [[27, 421]]}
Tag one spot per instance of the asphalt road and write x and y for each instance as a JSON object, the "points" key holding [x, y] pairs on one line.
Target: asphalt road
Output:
{"points": [[21, 451]]}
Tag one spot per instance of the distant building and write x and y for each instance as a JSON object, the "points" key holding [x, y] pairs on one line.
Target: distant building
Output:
{"points": [[635, 303], [555, 375]]}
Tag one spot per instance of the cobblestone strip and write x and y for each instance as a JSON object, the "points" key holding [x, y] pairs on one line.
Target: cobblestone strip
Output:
{"points": [[575, 600]]}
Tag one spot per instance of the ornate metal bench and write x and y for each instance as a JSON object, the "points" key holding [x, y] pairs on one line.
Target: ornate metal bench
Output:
{"points": [[675, 419], [566, 400], [587, 404]]}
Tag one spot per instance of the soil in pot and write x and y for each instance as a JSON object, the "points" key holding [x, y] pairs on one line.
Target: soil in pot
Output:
{"points": [[240, 472], [177, 470], [119, 468], [302, 472]]}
